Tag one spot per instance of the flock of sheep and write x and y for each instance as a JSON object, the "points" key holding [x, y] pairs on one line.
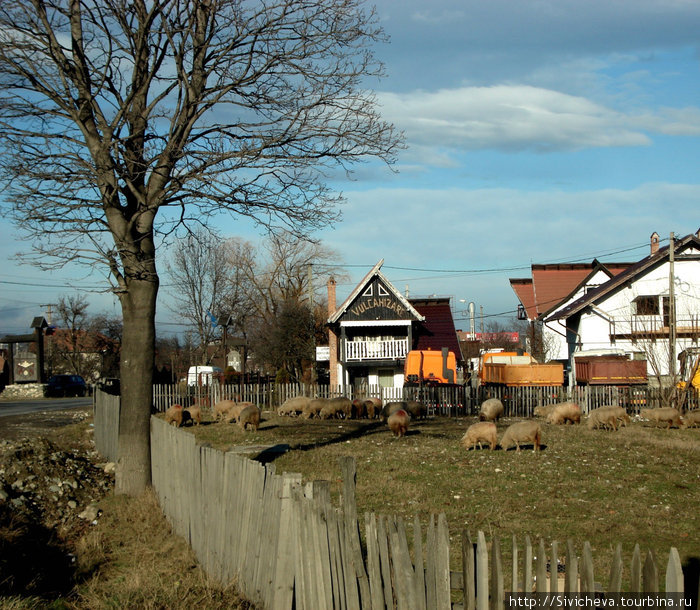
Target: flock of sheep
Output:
{"points": [[399, 414]]}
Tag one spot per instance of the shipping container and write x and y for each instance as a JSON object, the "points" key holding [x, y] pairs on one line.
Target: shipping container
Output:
{"points": [[610, 370]]}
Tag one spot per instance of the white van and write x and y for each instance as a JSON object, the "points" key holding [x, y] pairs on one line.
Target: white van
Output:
{"points": [[202, 375]]}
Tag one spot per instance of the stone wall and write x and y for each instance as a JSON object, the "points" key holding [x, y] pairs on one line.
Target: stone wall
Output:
{"points": [[23, 390]]}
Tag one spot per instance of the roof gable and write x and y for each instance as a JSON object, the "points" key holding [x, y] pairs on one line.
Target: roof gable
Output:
{"points": [[375, 298], [689, 246], [438, 330]]}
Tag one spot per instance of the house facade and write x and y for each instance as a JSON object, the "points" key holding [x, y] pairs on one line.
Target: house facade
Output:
{"points": [[373, 330], [649, 310]]}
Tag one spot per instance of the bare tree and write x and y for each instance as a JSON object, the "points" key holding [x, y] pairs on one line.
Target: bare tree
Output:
{"points": [[72, 311], [122, 120], [199, 281]]}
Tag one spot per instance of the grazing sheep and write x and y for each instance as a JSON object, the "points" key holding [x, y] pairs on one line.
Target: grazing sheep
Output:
{"points": [[392, 407], [602, 417], [417, 410], [313, 409], [565, 412], [371, 408], [664, 415], [234, 412], [521, 433], [359, 408], [193, 414], [483, 431], [332, 410], [293, 406], [250, 416], [398, 422], [543, 410], [174, 416], [491, 410], [691, 419], [342, 405], [620, 413], [221, 408]]}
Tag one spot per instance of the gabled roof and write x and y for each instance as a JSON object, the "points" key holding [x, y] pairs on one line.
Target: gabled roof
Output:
{"points": [[359, 289], [438, 330], [628, 275], [553, 284]]}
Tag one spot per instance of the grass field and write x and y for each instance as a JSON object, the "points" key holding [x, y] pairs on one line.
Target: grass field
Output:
{"points": [[637, 485]]}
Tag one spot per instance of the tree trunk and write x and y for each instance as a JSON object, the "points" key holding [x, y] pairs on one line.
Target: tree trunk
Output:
{"points": [[133, 473]]}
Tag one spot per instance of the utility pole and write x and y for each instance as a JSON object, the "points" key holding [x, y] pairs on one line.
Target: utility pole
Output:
{"points": [[313, 327], [671, 311]]}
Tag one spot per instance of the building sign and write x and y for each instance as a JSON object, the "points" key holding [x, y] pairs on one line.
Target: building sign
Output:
{"points": [[376, 302], [323, 353]]}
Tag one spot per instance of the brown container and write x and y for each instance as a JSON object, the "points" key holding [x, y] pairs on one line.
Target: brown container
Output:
{"points": [[601, 370], [517, 375]]}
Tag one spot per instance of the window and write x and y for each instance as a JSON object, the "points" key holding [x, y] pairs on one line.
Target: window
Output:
{"points": [[646, 306], [381, 291], [368, 292]]}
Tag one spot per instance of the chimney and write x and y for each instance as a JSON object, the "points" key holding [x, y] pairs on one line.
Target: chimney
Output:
{"points": [[654, 242], [332, 337]]}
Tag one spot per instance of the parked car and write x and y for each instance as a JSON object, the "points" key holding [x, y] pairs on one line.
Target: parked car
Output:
{"points": [[66, 385]]}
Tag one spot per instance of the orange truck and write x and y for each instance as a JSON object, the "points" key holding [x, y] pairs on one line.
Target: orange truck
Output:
{"points": [[430, 367]]}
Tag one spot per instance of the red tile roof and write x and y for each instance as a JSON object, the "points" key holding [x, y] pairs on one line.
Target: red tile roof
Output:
{"points": [[552, 284], [438, 330]]}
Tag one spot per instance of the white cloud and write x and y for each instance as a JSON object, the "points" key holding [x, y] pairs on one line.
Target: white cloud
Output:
{"points": [[518, 117]]}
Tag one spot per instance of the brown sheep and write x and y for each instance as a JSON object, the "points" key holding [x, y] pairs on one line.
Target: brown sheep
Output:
{"points": [[483, 431], [564, 413], [522, 432], [664, 415], [602, 417], [293, 406], [417, 410], [620, 413], [174, 416], [491, 410], [392, 407], [359, 408], [543, 410], [691, 419], [331, 410], [398, 422], [371, 408], [250, 416]]}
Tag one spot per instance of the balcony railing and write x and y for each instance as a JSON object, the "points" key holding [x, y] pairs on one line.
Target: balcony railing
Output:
{"points": [[376, 350]]}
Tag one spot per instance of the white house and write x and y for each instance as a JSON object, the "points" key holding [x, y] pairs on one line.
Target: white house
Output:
{"points": [[637, 311]]}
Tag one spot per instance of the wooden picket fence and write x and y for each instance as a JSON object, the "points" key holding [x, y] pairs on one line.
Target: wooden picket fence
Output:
{"points": [[287, 546], [451, 401]]}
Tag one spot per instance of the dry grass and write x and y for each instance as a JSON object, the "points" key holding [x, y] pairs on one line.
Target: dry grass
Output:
{"points": [[637, 485], [136, 562]]}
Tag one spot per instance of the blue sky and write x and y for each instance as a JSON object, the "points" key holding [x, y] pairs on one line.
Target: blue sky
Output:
{"points": [[538, 132]]}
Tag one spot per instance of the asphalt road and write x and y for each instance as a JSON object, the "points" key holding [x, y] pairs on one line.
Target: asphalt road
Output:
{"points": [[40, 405]]}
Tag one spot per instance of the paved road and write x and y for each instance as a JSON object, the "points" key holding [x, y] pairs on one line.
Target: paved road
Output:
{"points": [[23, 407]]}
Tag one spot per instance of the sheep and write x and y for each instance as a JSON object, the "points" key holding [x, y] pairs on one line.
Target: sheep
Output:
{"points": [[313, 409], [491, 410], [667, 415], [342, 405], [221, 409], [391, 407], [417, 410], [174, 415], [359, 408], [331, 410], [543, 410], [565, 412], [522, 432], [235, 411], [250, 416], [484, 431], [620, 414], [602, 417], [193, 414], [691, 419], [371, 408], [398, 422], [293, 406]]}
